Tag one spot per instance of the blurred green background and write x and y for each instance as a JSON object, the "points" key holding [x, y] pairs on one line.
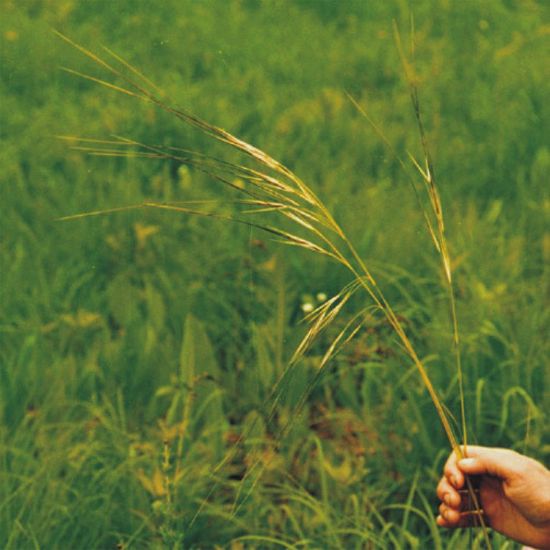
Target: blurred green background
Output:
{"points": [[137, 347]]}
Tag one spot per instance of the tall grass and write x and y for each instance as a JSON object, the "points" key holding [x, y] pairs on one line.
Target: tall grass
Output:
{"points": [[140, 349], [269, 187]]}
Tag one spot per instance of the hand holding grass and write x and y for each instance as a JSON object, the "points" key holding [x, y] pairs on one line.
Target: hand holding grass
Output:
{"points": [[514, 492]]}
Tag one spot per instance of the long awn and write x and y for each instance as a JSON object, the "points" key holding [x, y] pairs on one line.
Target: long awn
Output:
{"points": [[269, 187]]}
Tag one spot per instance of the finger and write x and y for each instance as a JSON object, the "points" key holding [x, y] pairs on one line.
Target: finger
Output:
{"points": [[452, 472], [451, 516], [451, 519], [502, 463], [442, 522], [448, 494]]}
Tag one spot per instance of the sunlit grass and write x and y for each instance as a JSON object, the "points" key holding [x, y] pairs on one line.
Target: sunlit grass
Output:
{"points": [[95, 326]]}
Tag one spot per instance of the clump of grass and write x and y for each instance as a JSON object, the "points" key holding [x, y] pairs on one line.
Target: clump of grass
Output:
{"points": [[267, 190]]}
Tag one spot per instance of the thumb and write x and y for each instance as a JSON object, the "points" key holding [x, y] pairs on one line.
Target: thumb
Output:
{"points": [[501, 463]]}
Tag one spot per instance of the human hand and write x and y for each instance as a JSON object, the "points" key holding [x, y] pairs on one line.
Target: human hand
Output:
{"points": [[514, 493]]}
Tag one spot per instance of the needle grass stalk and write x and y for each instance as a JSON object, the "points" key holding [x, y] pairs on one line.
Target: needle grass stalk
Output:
{"points": [[271, 189]]}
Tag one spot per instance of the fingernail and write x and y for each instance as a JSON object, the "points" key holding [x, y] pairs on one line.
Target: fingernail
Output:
{"points": [[467, 462], [454, 481], [447, 499]]}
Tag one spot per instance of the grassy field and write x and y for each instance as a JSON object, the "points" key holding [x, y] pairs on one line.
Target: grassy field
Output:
{"points": [[139, 349]]}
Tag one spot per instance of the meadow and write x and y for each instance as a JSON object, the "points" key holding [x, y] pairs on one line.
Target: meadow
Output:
{"points": [[139, 349]]}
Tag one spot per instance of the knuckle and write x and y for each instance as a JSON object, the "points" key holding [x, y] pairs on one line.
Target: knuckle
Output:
{"points": [[449, 470]]}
